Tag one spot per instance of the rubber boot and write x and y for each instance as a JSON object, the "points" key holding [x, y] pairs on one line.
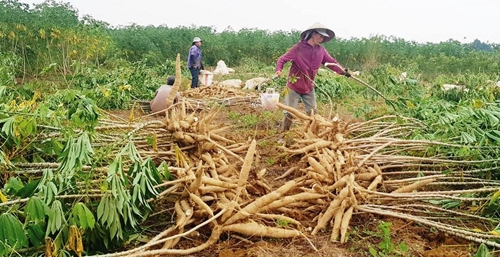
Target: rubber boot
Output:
{"points": [[287, 123]]}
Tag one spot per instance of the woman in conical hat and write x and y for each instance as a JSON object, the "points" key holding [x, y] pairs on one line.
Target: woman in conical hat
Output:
{"points": [[307, 56]]}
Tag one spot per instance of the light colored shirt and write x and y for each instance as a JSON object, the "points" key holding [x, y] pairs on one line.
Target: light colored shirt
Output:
{"points": [[194, 57], [159, 101]]}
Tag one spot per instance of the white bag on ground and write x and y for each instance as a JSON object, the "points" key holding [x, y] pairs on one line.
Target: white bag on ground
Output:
{"points": [[255, 83], [221, 68], [231, 83]]}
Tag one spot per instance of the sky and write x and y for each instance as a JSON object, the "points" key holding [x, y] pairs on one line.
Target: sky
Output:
{"points": [[413, 20]]}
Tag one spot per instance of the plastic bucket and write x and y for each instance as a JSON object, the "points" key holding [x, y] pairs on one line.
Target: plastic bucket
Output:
{"points": [[205, 78], [269, 99]]}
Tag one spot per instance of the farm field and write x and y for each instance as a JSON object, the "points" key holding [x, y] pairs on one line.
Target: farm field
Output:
{"points": [[367, 231], [118, 148], [87, 170]]}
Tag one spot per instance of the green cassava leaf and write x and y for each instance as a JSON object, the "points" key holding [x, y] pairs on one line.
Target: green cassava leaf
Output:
{"points": [[13, 185], [483, 251], [83, 216], [28, 190], [56, 218], [12, 232], [36, 233], [35, 209]]}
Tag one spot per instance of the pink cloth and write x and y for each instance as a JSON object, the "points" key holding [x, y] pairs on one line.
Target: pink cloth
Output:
{"points": [[306, 60]]}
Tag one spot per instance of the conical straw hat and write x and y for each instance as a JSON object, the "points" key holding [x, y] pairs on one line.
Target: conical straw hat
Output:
{"points": [[321, 29]]}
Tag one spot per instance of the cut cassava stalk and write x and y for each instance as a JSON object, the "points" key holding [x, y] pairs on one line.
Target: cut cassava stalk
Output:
{"points": [[406, 180], [469, 235], [426, 207], [214, 237], [414, 186]]}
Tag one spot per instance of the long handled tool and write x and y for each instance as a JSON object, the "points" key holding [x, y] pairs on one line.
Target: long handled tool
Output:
{"points": [[391, 102]]}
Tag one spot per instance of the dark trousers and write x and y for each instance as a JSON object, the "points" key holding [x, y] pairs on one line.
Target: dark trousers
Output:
{"points": [[195, 72]]}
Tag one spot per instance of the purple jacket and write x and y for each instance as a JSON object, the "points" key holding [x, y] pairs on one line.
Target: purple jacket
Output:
{"points": [[194, 58], [306, 60]]}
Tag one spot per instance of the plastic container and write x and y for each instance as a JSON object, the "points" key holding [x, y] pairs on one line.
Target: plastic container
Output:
{"points": [[205, 78], [269, 99]]}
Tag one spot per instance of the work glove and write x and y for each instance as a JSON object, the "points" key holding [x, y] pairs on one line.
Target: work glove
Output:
{"points": [[346, 73]]}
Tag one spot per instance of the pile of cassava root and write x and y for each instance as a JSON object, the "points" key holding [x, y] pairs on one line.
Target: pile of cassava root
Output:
{"points": [[339, 169]]}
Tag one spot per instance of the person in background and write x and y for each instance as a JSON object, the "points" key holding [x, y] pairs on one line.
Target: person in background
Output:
{"points": [[307, 56], [159, 101], [194, 62]]}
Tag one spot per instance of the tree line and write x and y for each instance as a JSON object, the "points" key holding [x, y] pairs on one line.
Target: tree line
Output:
{"points": [[51, 37]]}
